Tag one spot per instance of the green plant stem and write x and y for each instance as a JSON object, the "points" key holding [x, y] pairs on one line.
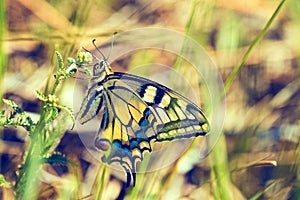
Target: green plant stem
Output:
{"points": [[222, 188], [28, 181], [3, 60], [138, 189], [55, 86], [2, 54], [27, 185], [220, 169], [102, 177], [220, 172], [187, 32], [235, 71]]}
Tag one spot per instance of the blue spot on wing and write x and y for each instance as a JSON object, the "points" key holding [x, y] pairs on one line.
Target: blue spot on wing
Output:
{"points": [[143, 122]]}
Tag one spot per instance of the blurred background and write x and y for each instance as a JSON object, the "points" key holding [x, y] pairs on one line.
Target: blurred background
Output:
{"points": [[257, 156]]}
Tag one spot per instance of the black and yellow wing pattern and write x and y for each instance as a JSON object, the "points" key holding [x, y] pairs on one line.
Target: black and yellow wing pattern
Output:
{"points": [[135, 113]]}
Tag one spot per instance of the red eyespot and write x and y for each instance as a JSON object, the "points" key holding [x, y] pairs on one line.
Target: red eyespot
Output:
{"points": [[102, 144]]}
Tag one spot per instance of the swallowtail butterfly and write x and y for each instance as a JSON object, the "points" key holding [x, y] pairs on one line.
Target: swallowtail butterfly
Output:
{"points": [[135, 113]]}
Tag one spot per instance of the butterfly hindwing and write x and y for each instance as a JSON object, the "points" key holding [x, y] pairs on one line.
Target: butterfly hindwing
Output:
{"points": [[127, 124]]}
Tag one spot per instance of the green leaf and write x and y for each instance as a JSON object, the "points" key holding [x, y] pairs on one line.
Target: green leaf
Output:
{"points": [[68, 110], [3, 182], [54, 131], [60, 60], [71, 61], [13, 105], [40, 95], [17, 118], [51, 113]]}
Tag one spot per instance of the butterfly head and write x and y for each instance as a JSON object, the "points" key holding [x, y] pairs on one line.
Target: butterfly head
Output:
{"points": [[101, 68]]}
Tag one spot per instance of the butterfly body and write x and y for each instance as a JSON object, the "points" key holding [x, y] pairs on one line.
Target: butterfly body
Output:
{"points": [[135, 113]]}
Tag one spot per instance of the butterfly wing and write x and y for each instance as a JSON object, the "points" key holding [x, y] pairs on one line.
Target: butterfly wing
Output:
{"points": [[137, 111], [177, 117], [127, 124]]}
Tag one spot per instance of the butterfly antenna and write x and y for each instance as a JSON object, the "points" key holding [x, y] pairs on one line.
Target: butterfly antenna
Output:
{"points": [[105, 59], [92, 53], [112, 44]]}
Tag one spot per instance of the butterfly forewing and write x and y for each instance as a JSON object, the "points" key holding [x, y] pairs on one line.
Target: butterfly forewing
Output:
{"points": [[177, 117], [91, 104]]}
